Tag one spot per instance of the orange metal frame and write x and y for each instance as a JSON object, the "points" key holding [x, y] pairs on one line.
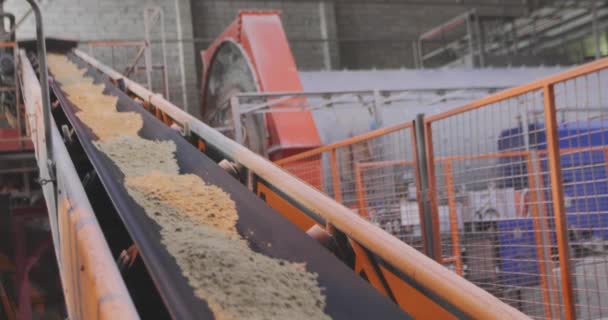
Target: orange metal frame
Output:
{"points": [[553, 154], [553, 151]]}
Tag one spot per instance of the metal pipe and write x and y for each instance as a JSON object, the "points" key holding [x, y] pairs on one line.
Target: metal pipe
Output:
{"points": [[427, 222], [44, 85]]}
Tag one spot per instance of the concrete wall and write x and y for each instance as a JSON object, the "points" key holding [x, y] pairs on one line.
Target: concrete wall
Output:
{"points": [[87, 20], [361, 34]]}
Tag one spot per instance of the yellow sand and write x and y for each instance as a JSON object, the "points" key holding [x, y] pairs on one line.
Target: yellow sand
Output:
{"points": [[237, 282], [198, 221], [96, 110]]}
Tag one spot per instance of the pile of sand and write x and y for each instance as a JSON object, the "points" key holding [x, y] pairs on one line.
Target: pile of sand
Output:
{"points": [[237, 282], [125, 150], [198, 220], [96, 110]]}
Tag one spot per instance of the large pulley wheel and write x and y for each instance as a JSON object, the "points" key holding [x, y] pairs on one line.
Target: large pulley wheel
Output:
{"points": [[253, 55], [229, 74]]}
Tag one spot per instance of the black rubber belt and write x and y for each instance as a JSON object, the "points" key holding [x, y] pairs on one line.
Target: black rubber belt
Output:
{"points": [[347, 295]]}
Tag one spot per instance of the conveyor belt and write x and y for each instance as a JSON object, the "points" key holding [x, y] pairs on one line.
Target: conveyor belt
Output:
{"points": [[347, 295]]}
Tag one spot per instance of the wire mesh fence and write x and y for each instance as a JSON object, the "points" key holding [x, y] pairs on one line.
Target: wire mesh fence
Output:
{"points": [[528, 169], [582, 135], [484, 172], [518, 191], [373, 174]]}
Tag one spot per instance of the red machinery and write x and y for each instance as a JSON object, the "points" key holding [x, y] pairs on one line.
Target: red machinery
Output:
{"points": [[251, 55]]}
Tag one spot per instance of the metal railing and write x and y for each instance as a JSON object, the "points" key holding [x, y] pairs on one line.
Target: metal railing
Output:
{"points": [[518, 190], [372, 174], [347, 113]]}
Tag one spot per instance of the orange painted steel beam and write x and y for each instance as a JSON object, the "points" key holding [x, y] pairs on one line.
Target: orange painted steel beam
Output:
{"points": [[561, 224], [432, 192], [335, 176], [389, 163], [360, 191], [364, 264], [449, 181], [511, 154], [507, 154], [545, 212]]}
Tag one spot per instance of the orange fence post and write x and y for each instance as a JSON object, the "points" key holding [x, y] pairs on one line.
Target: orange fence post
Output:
{"points": [[432, 192], [449, 182], [544, 212], [557, 192], [419, 199], [335, 176], [362, 202]]}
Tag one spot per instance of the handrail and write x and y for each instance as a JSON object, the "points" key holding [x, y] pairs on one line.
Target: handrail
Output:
{"points": [[112, 297], [585, 69], [432, 276], [345, 142], [44, 86]]}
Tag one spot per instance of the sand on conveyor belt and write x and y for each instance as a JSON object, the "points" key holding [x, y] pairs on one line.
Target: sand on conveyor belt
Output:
{"points": [[198, 220], [96, 110]]}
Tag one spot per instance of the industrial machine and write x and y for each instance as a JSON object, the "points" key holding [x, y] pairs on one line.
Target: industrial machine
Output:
{"points": [[115, 257]]}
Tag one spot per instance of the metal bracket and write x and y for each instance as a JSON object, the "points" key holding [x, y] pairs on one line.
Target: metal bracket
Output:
{"points": [[185, 131]]}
